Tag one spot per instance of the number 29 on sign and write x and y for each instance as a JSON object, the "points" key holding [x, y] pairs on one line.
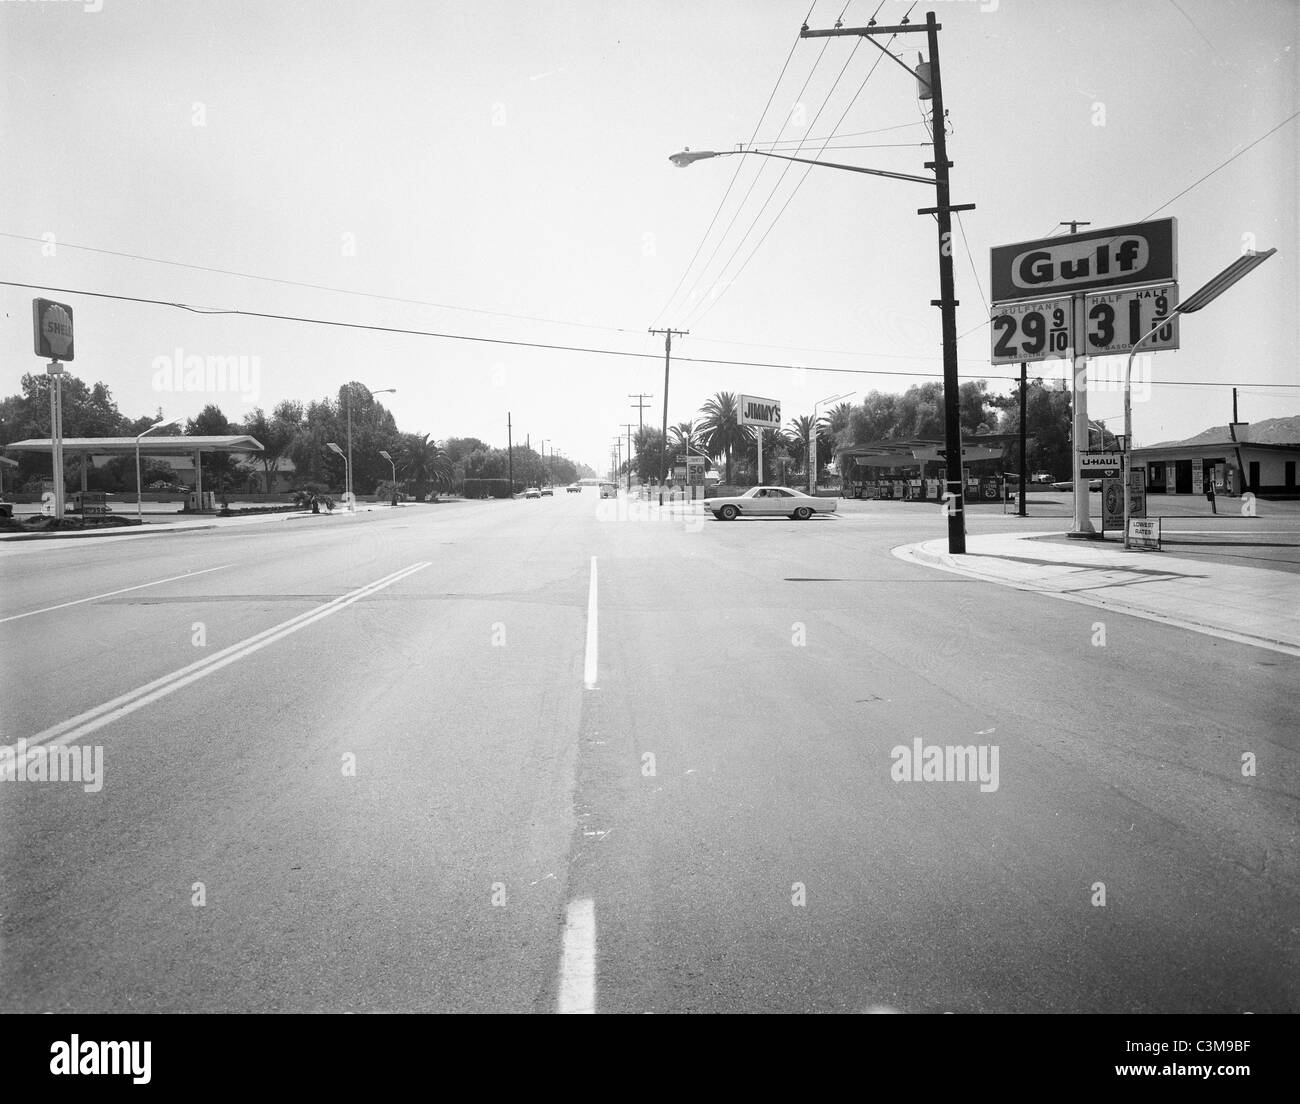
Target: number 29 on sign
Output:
{"points": [[1038, 330]]}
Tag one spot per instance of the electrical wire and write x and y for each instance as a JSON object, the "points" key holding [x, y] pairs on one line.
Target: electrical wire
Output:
{"points": [[745, 264], [320, 287], [691, 291], [734, 176], [407, 331]]}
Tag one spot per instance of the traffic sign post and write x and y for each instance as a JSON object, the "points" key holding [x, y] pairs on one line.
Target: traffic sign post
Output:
{"points": [[761, 414], [52, 330]]}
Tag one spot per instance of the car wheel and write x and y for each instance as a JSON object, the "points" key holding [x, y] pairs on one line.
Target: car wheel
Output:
{"points": [[802, 514], [728, 513]]}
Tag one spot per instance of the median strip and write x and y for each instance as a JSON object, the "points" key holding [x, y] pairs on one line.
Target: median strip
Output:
{"points": [[578, 960]]}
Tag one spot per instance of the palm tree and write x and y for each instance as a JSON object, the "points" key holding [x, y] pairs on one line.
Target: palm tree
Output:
{"points": [[801, 430], [685, 435], [720, 429], [423, 462]]}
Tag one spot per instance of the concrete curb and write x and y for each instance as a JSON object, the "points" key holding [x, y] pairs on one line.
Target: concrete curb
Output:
{"points": [[925, 554]]}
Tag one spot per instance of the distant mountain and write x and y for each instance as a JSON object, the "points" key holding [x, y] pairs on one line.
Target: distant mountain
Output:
{"points": [[1271, 431]]}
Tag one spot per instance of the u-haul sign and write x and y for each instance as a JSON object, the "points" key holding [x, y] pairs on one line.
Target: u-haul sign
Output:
{"points": [[760, 412], [1117, 256]]}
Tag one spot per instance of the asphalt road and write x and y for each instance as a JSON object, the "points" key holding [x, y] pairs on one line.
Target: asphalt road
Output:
{"points": [[419, 761]]}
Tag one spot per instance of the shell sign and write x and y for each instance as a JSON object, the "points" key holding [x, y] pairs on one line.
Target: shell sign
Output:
{"points": [[53, 324]]}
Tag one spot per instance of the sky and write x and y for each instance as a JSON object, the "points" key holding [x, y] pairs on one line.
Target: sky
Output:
{"points": [[497, 172]]}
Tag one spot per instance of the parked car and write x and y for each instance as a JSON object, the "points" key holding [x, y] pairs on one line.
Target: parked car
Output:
{"points": [[532, 492], [1040, 477], [548, 492], [163, 485], [769, 502], [573, 488], [608, 490]]}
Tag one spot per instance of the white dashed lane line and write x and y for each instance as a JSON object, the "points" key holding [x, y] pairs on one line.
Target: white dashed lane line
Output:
{"points": [[578, 959], [589, 663]]}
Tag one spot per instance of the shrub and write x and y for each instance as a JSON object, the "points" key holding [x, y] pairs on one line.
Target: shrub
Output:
{"points": [[486, 488]]}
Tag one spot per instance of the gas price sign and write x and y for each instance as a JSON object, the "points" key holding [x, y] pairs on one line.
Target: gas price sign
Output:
{"points": [[1033, 330], [1117, 320]]}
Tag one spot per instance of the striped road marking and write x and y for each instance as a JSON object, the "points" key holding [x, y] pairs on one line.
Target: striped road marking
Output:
{"points": [[85, 723]]}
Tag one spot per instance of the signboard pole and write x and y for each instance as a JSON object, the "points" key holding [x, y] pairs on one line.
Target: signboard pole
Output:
{"points": [[758, 432], [55, 371], [1079, 443]]}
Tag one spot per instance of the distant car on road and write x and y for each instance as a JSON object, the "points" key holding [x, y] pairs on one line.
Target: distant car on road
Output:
{"points": [[573, 488], [548, 492], [163, 485], [608, 490], [769, 502], [532, 492], [1040, 477]]}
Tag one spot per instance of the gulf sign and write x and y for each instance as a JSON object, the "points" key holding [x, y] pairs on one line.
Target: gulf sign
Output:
{"points": [[1117, 256], [760, 412], [52, 323]]}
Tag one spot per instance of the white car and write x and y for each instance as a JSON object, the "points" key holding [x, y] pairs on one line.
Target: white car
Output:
{"points": [[769, 502], [532, 492]]}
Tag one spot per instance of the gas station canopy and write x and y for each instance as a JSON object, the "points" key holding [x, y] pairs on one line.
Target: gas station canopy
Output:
{"points": [[155, 446]]}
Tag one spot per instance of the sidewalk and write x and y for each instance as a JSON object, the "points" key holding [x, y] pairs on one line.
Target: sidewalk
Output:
{"points": [[1247, 604], [190, 523]]}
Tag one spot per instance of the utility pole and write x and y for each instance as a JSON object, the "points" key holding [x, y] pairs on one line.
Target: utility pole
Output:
{"points": [[510, 455], [1074, 225], [628, 427], [640, 405], [930, 87], [668, 357], [1234, 406]]}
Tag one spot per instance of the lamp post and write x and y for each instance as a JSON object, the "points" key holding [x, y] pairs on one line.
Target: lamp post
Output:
{"points": [[384, 454], [812, 445], [1203, 296], [348, 490], [930, 88], [546, 474], [139, 490], [347, 471]]}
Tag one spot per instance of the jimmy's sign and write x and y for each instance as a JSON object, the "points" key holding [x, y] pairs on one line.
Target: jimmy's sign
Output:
{"points": [[760, 412], [1117, 256]]}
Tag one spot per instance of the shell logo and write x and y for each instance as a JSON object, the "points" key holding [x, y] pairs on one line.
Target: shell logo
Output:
{"points": [[53, 329]]}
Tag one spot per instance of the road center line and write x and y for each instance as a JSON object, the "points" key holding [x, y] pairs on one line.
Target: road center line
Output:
{"points": [[109, 594], [589, 663], [92, 719], [578, 959]]}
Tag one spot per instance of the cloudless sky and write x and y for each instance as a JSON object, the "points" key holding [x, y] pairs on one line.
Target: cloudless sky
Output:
{"points": [[507, 159]]}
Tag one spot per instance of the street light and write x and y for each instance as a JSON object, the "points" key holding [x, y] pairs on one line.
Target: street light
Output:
{"points": [[545, 471], [139, 490], [812, 465], [946, 302], [346, 460], [384, 454], [1203, 296], [383, 391]]}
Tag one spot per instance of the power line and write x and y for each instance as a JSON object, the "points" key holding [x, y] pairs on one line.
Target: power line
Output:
{"points": [[758, 245], [736, 175], [761, 168], [318, 287], [406, 331]]}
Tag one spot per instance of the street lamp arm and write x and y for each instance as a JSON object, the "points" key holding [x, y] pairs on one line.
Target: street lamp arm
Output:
{"points": [[681, 160]]}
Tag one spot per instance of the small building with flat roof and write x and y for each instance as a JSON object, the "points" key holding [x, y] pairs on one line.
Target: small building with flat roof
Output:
{"points": [[1260, 458]]}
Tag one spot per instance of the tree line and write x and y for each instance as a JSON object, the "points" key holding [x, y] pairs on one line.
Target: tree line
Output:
{"points": [[879, 416], [292, 431]]}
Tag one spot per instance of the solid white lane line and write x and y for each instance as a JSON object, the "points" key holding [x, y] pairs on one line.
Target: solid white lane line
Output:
{"points": [[109, 594], [578, 959], [589, 663], [92, 719]]}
